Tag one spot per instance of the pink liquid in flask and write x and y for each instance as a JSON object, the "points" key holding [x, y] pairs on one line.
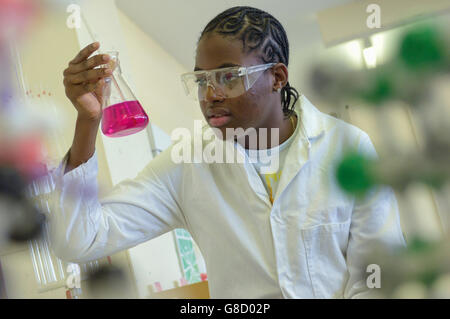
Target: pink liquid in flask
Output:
{"points": [[123, 119]]}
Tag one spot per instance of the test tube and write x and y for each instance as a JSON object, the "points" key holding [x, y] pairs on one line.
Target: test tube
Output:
{"points": [[34, 262], [40, 263], [44, 260], [61, 269], [50, 261]]}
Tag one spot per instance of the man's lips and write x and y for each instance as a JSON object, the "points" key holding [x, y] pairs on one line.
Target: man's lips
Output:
{"points": [[217, 111], [218, 116], [218, 121]]}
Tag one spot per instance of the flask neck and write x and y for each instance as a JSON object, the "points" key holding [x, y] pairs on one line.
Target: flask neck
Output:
{"points": [[114, 62], [115, 66]]}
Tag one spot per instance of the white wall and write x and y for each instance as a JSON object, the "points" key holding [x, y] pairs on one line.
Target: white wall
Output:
{"points": [[156, 78]]}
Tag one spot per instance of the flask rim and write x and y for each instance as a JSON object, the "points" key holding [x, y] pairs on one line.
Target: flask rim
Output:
{"points": [[113, 53]]}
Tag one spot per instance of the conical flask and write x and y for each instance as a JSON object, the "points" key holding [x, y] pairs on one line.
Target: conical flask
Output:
{"points": [[122, 113]]}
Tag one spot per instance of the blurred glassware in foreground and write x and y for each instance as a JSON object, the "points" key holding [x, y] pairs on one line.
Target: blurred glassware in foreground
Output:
{"points": [[417, 77], [420, 271], [108, 282]]}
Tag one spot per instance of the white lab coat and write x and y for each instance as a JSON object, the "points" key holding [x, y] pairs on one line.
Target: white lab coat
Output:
{"points": [[311, 243]]}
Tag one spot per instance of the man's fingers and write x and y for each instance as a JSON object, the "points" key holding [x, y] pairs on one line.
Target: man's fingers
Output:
{"points": [[85, 53], [87, 87], [98, 89], [87, 76], [88, 64]]}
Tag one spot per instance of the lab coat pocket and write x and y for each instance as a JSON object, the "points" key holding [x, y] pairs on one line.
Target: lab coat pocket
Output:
{"points": [[325, 247]]}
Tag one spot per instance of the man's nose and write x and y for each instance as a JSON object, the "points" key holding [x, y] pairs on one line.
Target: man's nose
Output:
{"points": [[211, 93]]}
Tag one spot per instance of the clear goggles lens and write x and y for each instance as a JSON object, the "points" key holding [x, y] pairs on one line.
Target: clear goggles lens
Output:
{"points": [[227, 82]]}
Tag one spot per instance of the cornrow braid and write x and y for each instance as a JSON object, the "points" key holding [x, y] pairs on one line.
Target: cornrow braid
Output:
{"points": [[259, 31]]}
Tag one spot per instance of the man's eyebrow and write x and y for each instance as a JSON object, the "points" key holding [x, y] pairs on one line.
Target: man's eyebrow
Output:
{"points": [[225, 65]]}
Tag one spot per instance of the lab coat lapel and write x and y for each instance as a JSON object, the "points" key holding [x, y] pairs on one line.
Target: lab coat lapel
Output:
{"points": [[298, 154], [235, 154], [254, 180], [311, 122]]}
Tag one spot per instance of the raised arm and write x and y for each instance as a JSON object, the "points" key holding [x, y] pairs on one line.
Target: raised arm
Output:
{"points": [[84, 227]]}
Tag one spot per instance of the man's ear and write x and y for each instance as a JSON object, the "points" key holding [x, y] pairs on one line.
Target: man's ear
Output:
{"points": [[280, 73]]}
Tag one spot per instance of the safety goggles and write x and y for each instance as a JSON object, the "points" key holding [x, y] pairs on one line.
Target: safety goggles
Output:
{"points": [[227, 82]]}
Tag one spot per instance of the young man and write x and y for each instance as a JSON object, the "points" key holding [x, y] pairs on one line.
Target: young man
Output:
{"points": [[288, 233]]}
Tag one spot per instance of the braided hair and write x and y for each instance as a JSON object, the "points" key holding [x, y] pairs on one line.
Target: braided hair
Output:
{"points": [[260, 31]]}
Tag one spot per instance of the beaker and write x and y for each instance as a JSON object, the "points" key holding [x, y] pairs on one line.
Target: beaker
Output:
{"points": [[122, 113]]}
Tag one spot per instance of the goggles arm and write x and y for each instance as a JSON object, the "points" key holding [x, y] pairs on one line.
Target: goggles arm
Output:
{"points": [[253, 69], [257, 68]]}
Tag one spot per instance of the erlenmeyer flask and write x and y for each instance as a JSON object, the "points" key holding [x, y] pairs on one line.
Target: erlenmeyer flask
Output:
{"points": [[122, 113]]}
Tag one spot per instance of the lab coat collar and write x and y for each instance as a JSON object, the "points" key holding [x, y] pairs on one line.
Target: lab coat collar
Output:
{"points": [[311, 127], [310, 117]]}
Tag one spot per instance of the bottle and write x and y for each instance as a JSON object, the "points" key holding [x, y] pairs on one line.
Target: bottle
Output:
{"points": [[122, 113]]}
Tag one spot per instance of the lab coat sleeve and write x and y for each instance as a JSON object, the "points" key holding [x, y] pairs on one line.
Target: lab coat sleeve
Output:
{"points": [[83, 227], [375, 223]]}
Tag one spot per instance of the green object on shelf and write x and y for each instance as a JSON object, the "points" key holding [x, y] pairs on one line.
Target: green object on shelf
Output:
{"points": [[381, 90], [419, 245], [429, 276], [353, 173], [422, 47], [424, 249], [435, 180]]}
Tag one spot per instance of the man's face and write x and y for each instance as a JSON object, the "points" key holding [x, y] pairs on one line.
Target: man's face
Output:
{"points": [[254, 108]]}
